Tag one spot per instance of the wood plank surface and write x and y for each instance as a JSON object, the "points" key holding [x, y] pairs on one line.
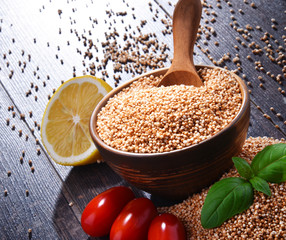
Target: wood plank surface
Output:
{"points": [[32, 195], [44, 43], [235, 28]]}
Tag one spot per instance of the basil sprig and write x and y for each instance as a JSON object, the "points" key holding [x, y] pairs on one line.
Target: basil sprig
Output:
{"points": [[270, 164], [243, 167], [233, 195]]}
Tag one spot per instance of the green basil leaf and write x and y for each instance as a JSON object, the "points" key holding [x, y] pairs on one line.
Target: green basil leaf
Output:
{"points": [[243, 167], [260, 185], [270, 163], [225, 199]]}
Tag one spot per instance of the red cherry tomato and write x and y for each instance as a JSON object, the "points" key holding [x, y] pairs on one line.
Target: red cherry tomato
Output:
{"points": [[100, 213], [166, 227], [134, 220]]}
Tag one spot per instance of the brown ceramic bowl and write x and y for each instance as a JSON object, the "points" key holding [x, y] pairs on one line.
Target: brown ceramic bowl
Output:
{"points": [[179, 173]]}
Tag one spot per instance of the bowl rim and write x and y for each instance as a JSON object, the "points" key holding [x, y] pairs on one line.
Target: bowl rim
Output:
{"points": [[98, 140]]}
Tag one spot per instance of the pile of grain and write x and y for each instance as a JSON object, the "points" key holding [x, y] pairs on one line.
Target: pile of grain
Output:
{"points": [[144, 118], [265, 219]]}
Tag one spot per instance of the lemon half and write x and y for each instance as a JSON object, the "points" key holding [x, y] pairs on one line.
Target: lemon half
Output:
{"points": [[65, 124]]}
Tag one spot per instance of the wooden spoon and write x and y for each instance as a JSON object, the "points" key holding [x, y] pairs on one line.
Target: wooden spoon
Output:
{"points": [[186, 20]]}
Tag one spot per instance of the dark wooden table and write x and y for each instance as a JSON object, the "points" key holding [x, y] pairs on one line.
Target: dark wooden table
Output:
{"points": [[45, 42]]}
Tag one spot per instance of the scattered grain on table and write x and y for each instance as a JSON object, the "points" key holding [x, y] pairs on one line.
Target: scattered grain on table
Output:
{"points": [[265, 219]]}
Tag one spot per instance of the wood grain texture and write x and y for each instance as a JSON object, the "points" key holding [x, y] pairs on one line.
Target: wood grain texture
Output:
{"points": [[34, 199], [45, 42], [259, 126], [45, 39], [223, 26]]}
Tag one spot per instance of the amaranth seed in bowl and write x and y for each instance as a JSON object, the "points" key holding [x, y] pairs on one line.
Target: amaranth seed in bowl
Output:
{"points": [[265, 219], [143, 118]]}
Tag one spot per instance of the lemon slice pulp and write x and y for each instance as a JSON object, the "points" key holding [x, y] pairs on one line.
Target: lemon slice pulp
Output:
{"points": [[65, 124]]}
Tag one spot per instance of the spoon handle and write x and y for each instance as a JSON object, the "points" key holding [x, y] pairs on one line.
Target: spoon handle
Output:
{"points": [[186, 20]]}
